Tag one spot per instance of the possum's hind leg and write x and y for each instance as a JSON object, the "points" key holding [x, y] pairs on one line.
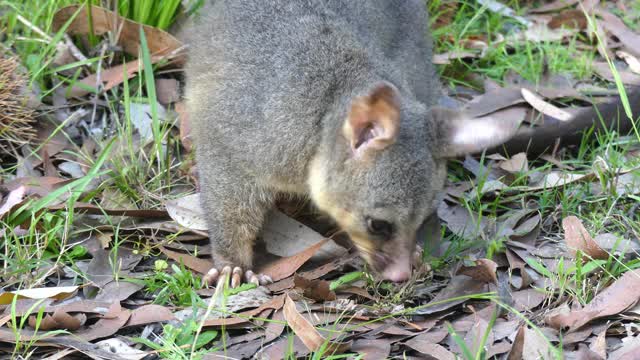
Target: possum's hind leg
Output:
{"points": [[235, 208]]}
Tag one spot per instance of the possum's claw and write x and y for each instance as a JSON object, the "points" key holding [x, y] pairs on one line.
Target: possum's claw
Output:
{"points": [[234, 277]]}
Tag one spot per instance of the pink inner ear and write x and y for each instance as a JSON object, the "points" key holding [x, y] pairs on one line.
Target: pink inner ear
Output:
{"points": [[368, 134], [367, 138]]}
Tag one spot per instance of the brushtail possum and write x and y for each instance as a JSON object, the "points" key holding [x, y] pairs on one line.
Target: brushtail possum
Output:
{"points": [[332, 100]]}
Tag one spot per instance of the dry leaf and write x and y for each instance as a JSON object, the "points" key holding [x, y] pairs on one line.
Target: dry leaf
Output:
{"points": [[516, 164], [194, 263], [113, 321], [284, 236], [632, 61], [311, 338], [109, 78], [578, 238], [244, 317], [628, 351], [314, 289], [59, 320], [573, 18], [604, 71], [527, 299], [15, 197], [475, 336], [187, 212], [377, 349], [103, 21], [459, 286], [434, 351], [617, 27], [445, 58], [529, 345], [618, 297], [81, 207], [167, 90], [121, 349], [484, 271], [285, 267], [544, 107], [57, 293], [494, 100], [185, 125]]}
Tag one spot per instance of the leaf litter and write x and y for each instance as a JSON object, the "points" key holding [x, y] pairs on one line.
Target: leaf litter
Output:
{"points": [[309, 299]]}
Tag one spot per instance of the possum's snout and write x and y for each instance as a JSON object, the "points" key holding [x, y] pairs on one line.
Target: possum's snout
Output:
{"points": [[396, 268]]}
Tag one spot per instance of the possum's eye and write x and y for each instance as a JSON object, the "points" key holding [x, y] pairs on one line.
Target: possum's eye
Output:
{"points": [[379, 227]]}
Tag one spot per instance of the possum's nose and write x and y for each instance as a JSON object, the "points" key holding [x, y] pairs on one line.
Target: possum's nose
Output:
{"points": [[397, 272]]}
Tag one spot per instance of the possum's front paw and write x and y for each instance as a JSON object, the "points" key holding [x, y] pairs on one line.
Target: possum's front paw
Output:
{"points": [[219, 276]]}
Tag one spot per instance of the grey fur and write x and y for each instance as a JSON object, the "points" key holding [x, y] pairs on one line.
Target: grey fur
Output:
{"points": [[269, 86]]}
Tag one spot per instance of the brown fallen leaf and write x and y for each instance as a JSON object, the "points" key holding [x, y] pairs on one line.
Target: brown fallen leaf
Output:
{"points": [[103, 20], [109, 78], [311, 338], [484, 270], [194, 263], [285, 267], [573, 18], [314, 289], [618, 297], [24, 307], [322, 270], [185, 125], [59, 320], [578, 238], [149, 314], [113, 321]]}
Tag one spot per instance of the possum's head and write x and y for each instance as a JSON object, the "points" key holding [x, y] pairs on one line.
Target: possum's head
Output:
{"points": [[379, 174]]}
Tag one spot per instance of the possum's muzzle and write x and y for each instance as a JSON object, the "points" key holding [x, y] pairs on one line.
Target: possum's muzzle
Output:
{"points": [[395, 265]]}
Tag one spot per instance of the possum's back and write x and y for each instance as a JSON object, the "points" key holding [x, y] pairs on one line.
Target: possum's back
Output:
{"points": [[272, 70]]}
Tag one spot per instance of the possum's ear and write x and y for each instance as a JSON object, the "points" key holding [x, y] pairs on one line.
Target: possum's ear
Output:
{"points": [[459, 135], [374, 120]]}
